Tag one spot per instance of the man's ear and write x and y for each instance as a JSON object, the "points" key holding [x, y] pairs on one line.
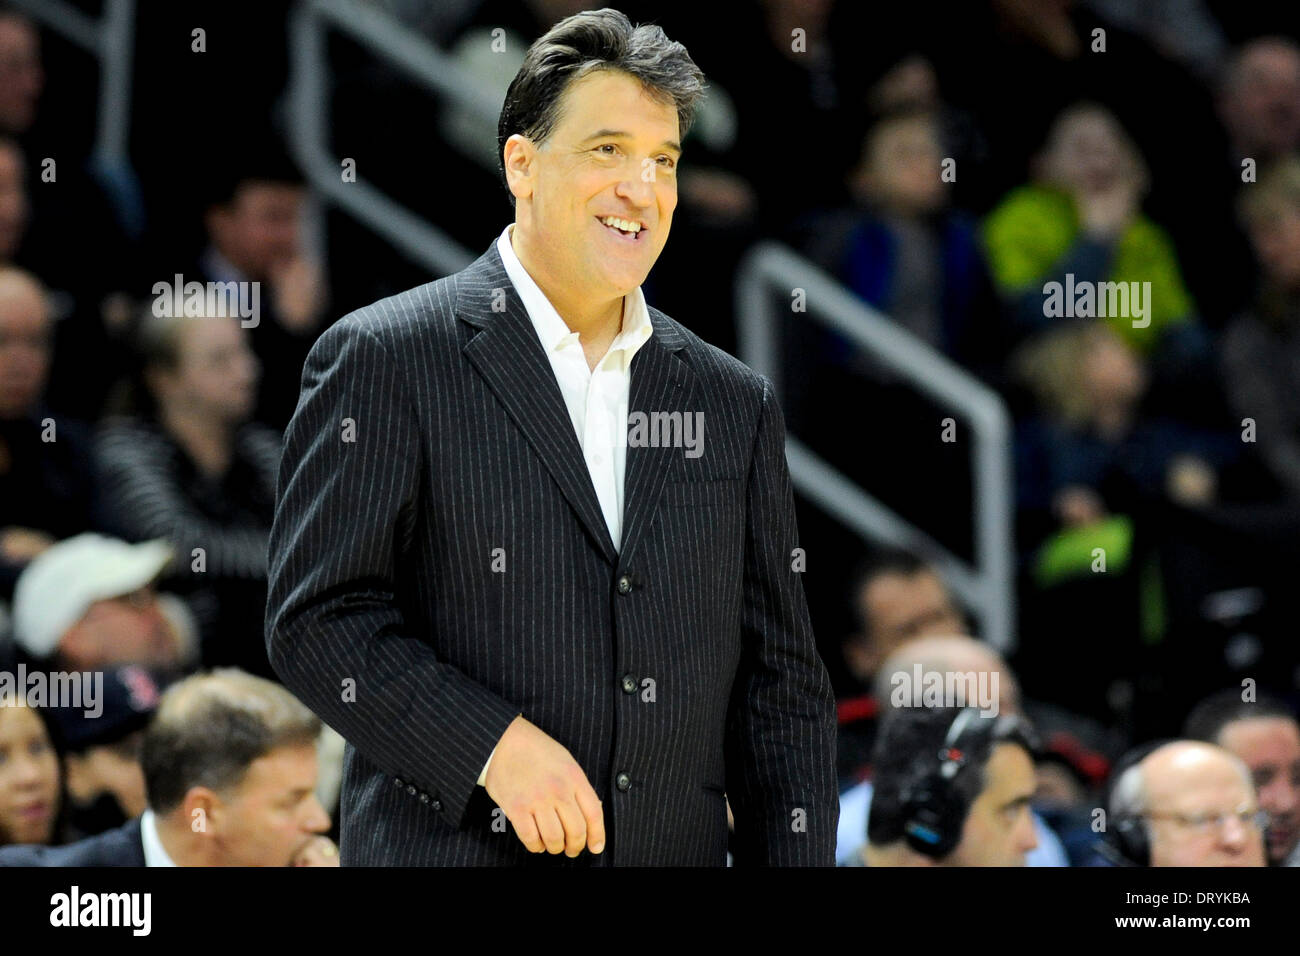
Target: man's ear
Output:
{"points": [[518, 158], [203, 811]]}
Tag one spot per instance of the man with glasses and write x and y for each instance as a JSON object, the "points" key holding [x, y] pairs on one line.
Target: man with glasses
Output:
{"points": [[1188, 803]]}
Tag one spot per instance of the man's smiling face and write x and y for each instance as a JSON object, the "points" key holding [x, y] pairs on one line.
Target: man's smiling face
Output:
{"points": [[613, 152]]}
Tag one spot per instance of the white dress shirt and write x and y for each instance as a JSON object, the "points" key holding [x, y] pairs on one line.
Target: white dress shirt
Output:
{"points": [[597, 399], [154, 854]]}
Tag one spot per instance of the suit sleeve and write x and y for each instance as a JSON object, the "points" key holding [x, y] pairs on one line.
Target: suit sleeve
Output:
{"points": [[335, 629], [781, 720]]}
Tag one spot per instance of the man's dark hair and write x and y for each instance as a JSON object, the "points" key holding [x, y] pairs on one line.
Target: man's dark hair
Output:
{"points": [[229, 174], [210, 727], [1208, 718], [879, 563], [585, 42], [907, 750]]}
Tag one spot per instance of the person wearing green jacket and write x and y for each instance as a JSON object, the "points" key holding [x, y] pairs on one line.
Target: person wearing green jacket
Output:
{"points": [[1079, 223]]}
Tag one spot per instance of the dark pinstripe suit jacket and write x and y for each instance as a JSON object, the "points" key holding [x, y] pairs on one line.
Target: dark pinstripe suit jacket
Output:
{"points": [[439, 564]]}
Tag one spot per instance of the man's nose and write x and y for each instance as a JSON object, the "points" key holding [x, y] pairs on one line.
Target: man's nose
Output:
{"points": [[637, 190], [1282, 799], [317, 820], [1028, 835], [1233, 833]]}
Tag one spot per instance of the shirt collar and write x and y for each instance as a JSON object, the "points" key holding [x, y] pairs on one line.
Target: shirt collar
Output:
{"points": [[552, 330], [154, 853]]}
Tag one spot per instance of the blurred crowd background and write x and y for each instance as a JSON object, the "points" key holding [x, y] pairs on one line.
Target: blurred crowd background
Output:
{"points": [[1166, 152]]}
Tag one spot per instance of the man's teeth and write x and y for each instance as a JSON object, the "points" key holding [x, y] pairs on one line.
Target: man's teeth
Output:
{"points": [[623, 224]]}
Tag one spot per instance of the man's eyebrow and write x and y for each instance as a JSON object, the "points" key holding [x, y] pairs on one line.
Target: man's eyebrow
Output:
{"points": [[623, 134], [1017, 802]]}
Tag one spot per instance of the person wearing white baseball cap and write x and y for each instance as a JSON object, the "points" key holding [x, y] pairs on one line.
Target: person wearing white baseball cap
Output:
{"points": [[89, 603]]}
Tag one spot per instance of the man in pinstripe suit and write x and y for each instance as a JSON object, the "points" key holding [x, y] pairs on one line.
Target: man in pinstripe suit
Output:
{"points": [[546, 637]]}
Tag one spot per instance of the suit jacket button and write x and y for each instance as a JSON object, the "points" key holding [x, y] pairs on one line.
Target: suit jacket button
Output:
{"points": [[398, 782], [623, 782], [411, 790], [437, 804], [625, 585], [629, 684], [424, 798]]}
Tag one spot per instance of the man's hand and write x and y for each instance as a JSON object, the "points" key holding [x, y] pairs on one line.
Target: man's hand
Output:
{"points": [[1108, 212], [544, 793], [318, 852], [298, 285]]}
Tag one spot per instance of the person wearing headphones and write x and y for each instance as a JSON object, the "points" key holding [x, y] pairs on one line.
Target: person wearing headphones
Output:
{"points": [[952, 788], [1183, 803]]}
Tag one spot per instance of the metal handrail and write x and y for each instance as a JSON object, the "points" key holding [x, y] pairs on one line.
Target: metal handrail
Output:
{"points": [[387, 39], [988, 587]]}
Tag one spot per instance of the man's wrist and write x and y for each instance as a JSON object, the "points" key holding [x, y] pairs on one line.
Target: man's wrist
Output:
{"points": [[482, 777]]}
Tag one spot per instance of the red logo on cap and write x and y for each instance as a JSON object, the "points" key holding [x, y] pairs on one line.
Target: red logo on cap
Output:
{"points": [[144, 692]]}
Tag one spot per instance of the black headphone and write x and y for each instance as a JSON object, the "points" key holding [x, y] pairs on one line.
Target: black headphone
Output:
{"points": [[1126, 840], [933, 809]]}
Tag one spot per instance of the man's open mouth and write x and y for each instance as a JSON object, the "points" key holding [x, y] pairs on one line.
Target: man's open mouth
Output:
{"points": [[628, 229]]}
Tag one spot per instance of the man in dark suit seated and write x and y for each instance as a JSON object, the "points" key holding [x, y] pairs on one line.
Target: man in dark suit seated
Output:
{"points": [[230, 770], [507, 566]]}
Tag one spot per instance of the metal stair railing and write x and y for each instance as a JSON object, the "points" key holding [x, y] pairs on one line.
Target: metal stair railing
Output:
{"points": [[388, 40], [988, 587]]}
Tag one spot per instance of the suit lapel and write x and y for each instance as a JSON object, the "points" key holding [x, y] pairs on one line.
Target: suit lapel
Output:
{"points": [[661, 382], [511, 360]]}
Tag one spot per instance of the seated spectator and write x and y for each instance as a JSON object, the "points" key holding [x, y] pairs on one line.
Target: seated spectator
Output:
{"points": [[47, 489], [254, 228], [1264, 734], [101, 753], [1079, 223], [89, 603], [1102, 483], [952, 788], [192, 470], [1259, 100], [230, 769], [897, 597], [1186, 803], [29, 776], [942, 654], [1260, 348], [84, 270], [901, 248], [1092, 450]]}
